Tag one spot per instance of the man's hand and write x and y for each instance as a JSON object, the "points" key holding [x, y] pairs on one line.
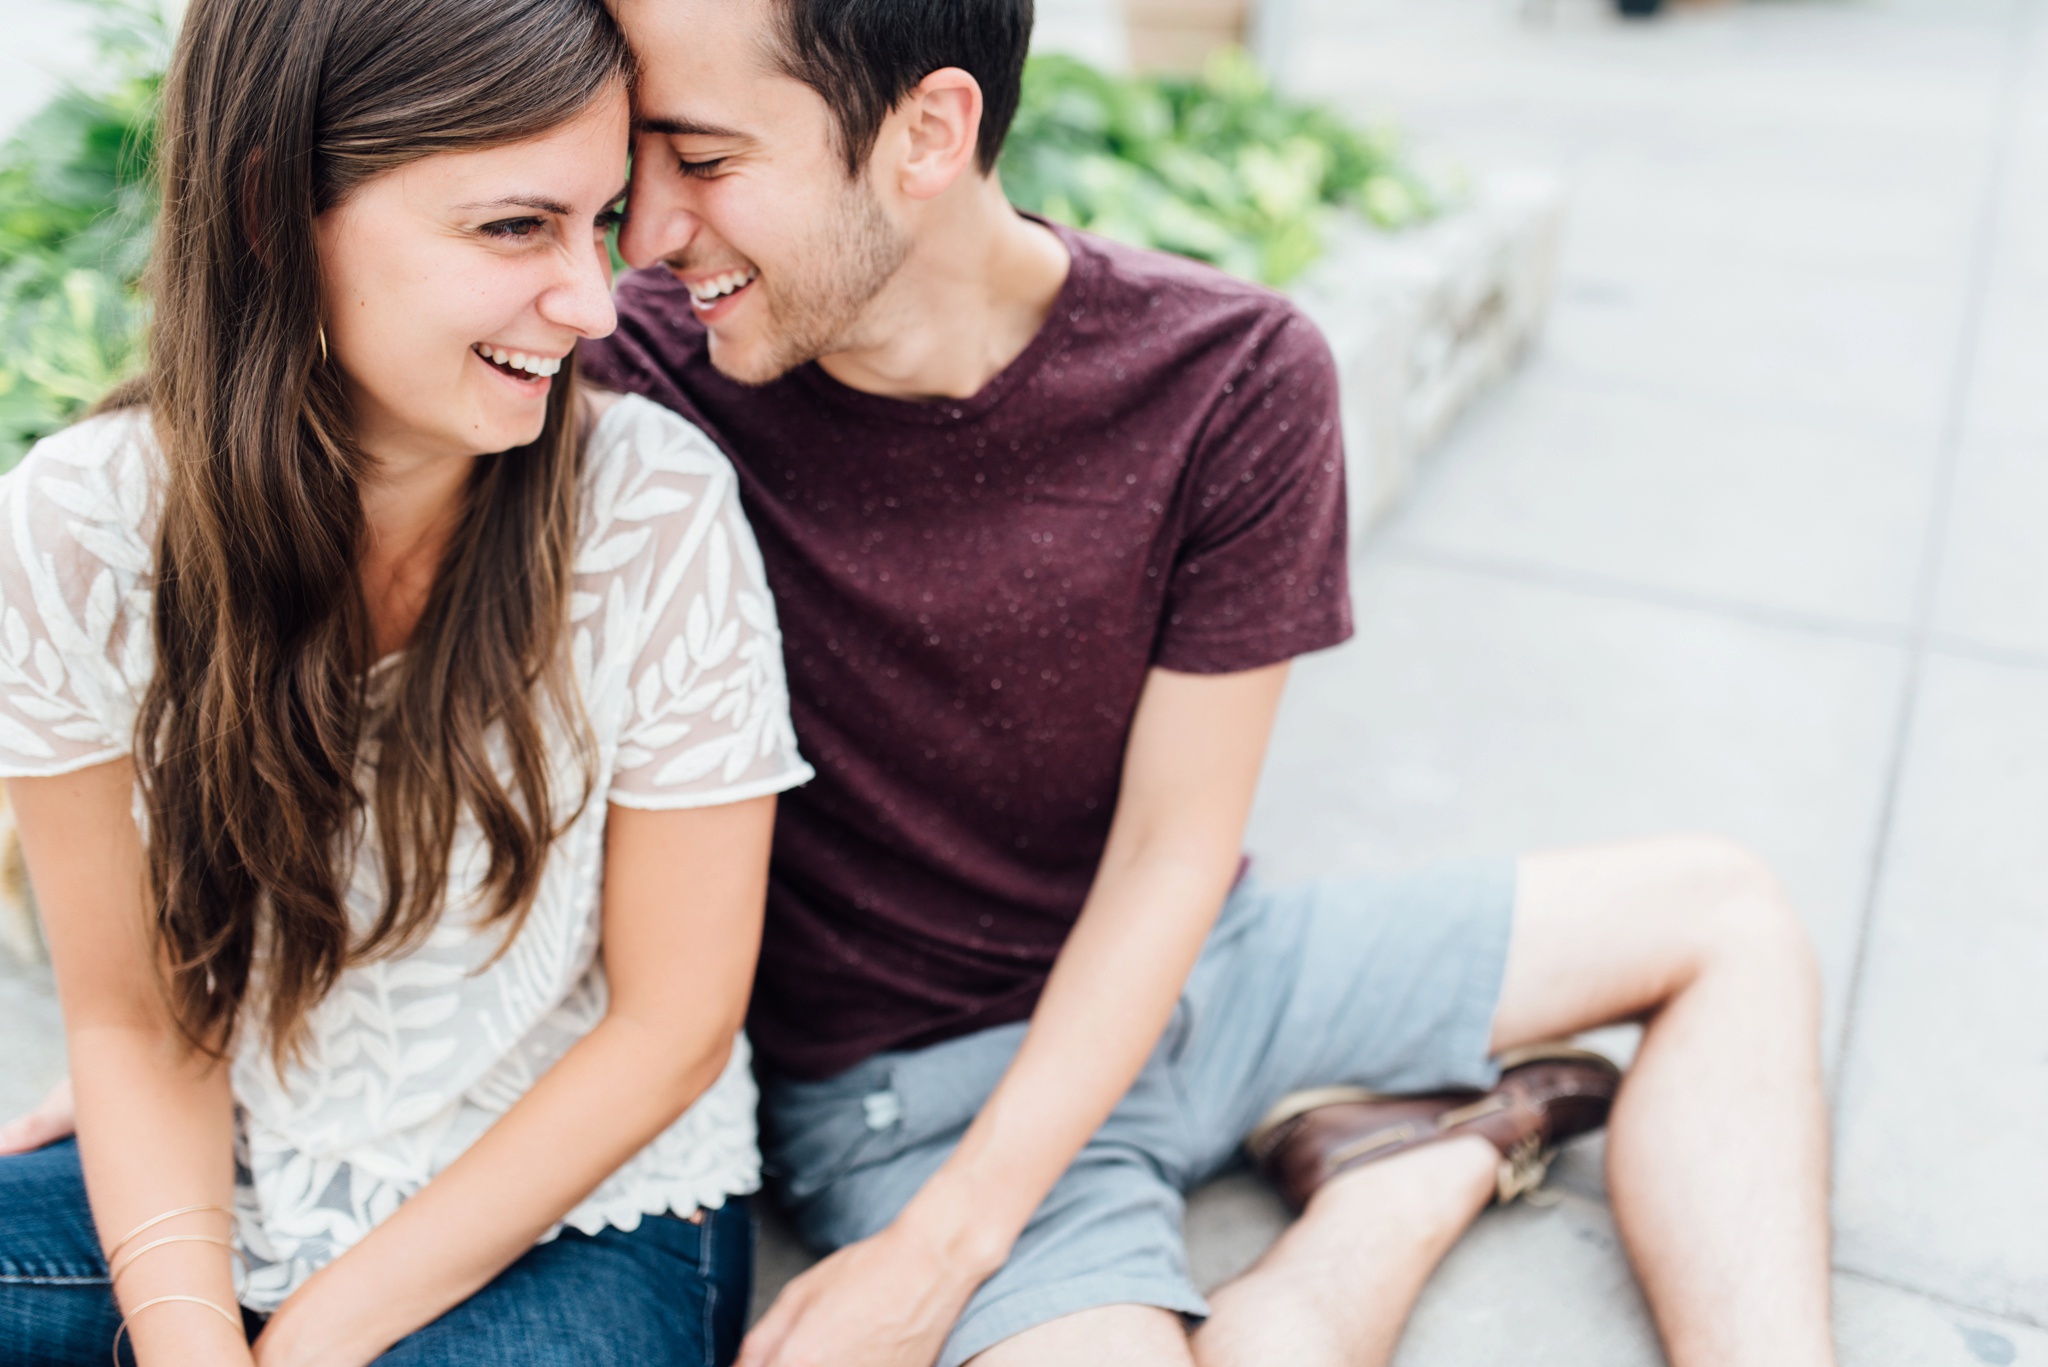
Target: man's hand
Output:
{"points": [[888, 1301], [1189, 773], [54, 1118]]}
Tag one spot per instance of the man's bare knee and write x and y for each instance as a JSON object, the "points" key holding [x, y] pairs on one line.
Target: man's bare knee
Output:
{"points": [[1107, 1336], [1607, 933], [1740, 915], [1747, 908]]}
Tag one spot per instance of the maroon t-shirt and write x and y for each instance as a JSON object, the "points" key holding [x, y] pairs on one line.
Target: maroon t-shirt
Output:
{"points": [[971, 592]]}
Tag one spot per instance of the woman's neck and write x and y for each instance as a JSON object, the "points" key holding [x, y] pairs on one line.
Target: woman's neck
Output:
{"points": [[410, 510]]}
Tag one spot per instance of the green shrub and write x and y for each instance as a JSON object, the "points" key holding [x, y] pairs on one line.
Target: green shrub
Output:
{"points": [[76, 201], [1216, 167]]}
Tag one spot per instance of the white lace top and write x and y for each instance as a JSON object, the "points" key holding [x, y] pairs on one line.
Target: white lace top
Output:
{"points": [[675, 650]]}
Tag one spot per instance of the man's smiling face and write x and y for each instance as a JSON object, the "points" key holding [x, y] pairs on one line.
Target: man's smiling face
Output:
{"points": [[740, 188]]}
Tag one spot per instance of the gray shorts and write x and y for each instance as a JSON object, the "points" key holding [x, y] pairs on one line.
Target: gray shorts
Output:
{"points": [[1383, 982]]}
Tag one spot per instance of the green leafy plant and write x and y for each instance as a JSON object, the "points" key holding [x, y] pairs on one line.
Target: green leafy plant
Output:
{"points": [[1216, 167], [76, 202]]}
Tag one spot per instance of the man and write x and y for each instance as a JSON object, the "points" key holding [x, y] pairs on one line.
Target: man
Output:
{"points": [[1046, 518]]}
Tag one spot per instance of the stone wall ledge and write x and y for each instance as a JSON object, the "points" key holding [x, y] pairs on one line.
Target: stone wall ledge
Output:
{"points": [[1423, 322]]}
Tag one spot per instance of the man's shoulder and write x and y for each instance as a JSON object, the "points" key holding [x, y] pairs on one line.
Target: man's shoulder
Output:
{"points": [[1137, 319], [656, 326], [653, 295], [658, 350], [1176, 293], [1160, 315]]}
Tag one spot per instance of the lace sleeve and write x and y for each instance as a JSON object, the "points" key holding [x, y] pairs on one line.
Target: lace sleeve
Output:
{"points": [[74, 606], [669, 562]]}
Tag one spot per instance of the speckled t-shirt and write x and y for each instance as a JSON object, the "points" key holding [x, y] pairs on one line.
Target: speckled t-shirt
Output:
{"points": [[971, 593]]}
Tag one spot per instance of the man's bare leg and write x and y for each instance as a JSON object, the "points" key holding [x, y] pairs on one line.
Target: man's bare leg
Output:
{"points": [[1717, 1152], [1113, 1336], [1338, 1285]]}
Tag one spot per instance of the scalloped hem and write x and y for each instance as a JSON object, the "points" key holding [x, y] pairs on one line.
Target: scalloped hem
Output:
{"points": [[625, 1215], [738, 792]]}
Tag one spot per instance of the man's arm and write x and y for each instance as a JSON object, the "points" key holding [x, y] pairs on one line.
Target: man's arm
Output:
{"points": [[1192, 765]]}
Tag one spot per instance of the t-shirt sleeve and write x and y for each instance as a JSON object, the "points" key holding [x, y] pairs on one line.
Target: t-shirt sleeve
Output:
{"points": [[71, 613], [705, 708], [1261, 572]]}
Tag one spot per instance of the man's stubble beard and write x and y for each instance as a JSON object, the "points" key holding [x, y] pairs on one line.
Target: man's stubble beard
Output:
{"points": [[815, 303]]}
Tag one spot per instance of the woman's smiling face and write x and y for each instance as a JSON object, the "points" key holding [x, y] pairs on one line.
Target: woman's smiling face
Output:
{"points": [[456, 285]]}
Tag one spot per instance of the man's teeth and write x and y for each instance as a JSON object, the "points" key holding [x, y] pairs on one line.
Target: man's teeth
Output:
{"points": [[538, 366], [718, 286]]}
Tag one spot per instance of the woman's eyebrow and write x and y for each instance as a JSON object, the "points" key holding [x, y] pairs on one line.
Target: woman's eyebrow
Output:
{"points": [[543, 203]]}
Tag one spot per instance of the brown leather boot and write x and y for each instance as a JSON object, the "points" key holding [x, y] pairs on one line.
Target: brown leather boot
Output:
{"points": [[1547, 1093]]}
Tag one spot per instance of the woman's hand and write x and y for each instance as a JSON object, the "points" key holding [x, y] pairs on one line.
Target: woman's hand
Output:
{"points": [[320, 1325], [54, 1118]]}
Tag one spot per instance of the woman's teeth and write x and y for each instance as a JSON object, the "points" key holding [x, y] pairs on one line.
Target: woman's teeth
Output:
{"points": [[540, 367], [718, 286]]}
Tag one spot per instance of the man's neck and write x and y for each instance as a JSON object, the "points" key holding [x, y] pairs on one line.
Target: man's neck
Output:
{"points": [[965, 303]]}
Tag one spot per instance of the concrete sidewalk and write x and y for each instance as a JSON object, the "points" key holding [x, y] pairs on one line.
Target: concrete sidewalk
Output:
{"points": [[1752, 545]]}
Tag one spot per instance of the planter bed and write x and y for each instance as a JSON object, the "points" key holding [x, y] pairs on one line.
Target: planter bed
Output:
{"points": [[1424, 321]]}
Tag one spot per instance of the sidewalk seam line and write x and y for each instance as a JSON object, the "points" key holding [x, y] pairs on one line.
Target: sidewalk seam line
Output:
{"points": [[1950, 1302], [1592, 584], [1962, 376], [1610, 588], [1955, 647]]}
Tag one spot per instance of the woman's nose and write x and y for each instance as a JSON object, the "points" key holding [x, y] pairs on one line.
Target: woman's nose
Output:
{"points": [[582, 301]]}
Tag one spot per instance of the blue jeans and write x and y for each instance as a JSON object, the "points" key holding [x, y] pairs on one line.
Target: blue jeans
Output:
{"points": [[669, 1294]]}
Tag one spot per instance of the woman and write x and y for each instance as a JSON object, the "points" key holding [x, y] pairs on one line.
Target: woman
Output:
{"points": [[398, 811]]}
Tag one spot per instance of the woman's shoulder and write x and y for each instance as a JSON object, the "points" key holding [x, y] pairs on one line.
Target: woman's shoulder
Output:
{"points": [[90, 488], [124, 436], [75, 522], [630, 431], [672, 624], [649, 477]]}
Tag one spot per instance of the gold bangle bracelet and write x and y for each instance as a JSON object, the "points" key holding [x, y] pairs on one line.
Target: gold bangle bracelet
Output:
{"points": [[155, 1220], [114, 1277], [230, 1316]]}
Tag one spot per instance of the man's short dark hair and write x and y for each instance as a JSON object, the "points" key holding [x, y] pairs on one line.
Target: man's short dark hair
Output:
{"points": [[864, 56]]}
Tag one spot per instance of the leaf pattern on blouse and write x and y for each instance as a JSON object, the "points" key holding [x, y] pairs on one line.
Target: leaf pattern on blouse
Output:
{"points": [[674, 648]]}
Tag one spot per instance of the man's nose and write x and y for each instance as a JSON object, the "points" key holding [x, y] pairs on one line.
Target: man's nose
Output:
{"points": [[659, 223]]}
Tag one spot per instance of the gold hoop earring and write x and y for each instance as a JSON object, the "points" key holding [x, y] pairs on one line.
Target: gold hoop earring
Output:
{"points": [[323, 342]]}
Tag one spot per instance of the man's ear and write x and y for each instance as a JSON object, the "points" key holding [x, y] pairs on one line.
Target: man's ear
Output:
{"points": [[942, 131]]}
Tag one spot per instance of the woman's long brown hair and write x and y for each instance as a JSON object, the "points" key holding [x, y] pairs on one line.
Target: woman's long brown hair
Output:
{"points": [[250, 734]]}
